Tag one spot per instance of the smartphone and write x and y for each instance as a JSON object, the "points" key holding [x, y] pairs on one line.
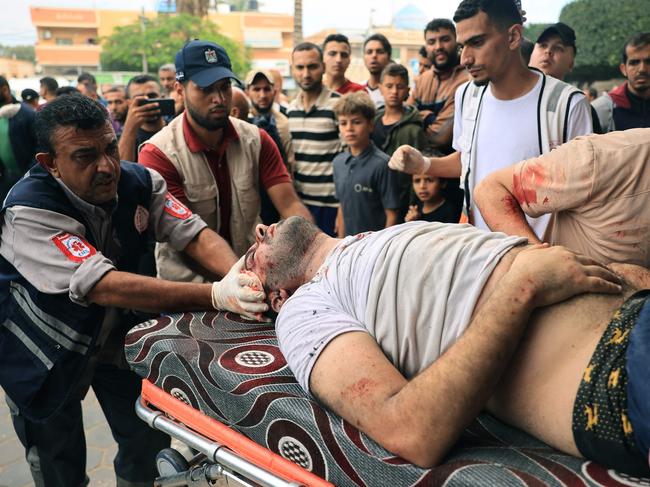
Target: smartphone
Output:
{"points": [[166, 105]]}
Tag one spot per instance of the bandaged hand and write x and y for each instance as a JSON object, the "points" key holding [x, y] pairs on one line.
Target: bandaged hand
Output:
{"points": [[240, 291], [409, 160]]}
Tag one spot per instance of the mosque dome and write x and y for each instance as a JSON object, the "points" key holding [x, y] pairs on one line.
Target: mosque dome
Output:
{"points": [[409, 18]]}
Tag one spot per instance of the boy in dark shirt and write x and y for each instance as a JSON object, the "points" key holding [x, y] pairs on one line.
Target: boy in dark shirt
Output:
{"points": [[432, 203], [366, 188], [398, 124]]}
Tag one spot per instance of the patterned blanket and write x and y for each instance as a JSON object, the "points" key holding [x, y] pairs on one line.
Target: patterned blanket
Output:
{"points": [[233, 371]]}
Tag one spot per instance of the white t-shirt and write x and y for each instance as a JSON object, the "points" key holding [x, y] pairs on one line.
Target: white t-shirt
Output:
{"points": [[375, 95], [507, 134], [413, 287]]}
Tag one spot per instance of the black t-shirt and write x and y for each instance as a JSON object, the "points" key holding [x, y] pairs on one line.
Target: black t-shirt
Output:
{"points": [[445, 213], [140, 138], [380, 133]]}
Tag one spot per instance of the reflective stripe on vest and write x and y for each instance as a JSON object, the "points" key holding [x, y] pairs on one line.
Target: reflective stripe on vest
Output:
{"points": [[31, 346], [54, 328]]}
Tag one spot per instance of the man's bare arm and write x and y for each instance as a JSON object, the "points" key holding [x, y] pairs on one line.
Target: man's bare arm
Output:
{"points": [[287, 203], [131, 291], [210, 250], [495, 197], [422, 418], [392, 217]]}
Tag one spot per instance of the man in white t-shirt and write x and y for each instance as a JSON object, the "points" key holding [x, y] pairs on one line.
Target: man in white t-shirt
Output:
{"points": [[507, 112], [406, 332]]}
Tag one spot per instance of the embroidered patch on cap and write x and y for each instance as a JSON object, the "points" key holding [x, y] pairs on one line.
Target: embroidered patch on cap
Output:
{"points": [[73, 247], [175, 208], [211, 56], [141, 219]]}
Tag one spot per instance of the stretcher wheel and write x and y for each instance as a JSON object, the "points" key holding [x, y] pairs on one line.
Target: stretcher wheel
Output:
{"points": [[170, 462]]}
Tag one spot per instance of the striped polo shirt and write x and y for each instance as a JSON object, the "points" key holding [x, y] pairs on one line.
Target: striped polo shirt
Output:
{"points": [[316, 141]]}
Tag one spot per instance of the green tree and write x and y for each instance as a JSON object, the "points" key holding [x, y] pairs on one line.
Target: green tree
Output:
{"points": [[532, 31], [26, 53], [161, 39], [602, 27]]}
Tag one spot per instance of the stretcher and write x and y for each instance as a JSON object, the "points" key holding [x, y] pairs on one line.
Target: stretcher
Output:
{"points": [[220, 385]]}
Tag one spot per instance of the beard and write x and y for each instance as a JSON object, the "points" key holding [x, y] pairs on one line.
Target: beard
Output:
{"points": [[204, 121], [450, 62], [312, 87], [295, 237], [260, 110]]}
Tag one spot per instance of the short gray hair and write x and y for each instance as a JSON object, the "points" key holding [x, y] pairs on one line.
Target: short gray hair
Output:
{"points": [[167, 67]]}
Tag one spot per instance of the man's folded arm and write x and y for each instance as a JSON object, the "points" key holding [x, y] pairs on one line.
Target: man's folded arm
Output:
{"points": [[495, 197]]}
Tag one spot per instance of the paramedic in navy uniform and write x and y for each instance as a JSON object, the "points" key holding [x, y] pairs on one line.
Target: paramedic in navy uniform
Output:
{"points": [[72, 232]]}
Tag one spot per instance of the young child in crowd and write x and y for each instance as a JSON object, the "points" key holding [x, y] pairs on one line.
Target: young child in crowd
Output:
{"points": [[366, 188], [432, 202], [398, 124]]}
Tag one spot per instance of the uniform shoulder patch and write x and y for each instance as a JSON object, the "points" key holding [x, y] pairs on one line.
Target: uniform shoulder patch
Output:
{"points": [[175, 208], [74, 247], [141, 219]]}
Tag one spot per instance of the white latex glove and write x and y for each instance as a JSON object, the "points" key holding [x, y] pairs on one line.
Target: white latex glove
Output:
{"points": [[409, 160], [240, 291]]}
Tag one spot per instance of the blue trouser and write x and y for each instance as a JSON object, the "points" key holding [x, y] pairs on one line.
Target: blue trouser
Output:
{"points": [[638, 386], [56, 449], [325, 218]]}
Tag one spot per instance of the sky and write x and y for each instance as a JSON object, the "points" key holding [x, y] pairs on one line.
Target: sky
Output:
{"points": [[16, 27]]}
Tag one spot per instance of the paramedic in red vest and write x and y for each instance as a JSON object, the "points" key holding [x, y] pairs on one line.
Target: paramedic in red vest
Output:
{"points": [[213, 163], [506, 113]]}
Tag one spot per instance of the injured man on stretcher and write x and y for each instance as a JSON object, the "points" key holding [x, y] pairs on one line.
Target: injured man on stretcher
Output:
{"points": [[409, 332]]}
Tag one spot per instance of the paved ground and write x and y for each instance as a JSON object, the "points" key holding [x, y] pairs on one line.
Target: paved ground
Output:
{"points": [[14, 471]]}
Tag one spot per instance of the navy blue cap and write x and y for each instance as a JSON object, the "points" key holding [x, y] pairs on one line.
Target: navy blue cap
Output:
{"points": [[565, 33], [203, 62]]}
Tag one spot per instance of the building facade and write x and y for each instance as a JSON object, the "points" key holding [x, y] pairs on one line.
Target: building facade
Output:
{"points": [[68, 40]]}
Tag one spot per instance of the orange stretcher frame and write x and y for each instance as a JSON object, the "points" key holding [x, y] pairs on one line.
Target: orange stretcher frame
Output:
{"points": [[219, 432]]}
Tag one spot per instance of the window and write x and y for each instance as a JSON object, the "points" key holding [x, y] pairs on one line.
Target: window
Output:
{"points": [[63, 41]]}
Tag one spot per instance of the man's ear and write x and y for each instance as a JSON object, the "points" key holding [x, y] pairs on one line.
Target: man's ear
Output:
{"points": [[515, 36], [179, 88], [46, 160], [277, 299], [623, 69]]}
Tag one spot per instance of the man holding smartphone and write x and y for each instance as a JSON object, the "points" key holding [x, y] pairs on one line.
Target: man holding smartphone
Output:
{"points": [[144, 118]]}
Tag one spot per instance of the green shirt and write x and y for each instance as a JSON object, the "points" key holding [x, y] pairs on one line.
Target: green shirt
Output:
{"points": [[10, 170]]}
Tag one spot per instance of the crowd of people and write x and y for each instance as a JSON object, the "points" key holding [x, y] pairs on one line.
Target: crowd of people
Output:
{"points": [[129, 200]]}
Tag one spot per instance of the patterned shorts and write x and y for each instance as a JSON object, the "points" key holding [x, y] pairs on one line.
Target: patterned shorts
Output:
{"points": [[601, 426]]}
